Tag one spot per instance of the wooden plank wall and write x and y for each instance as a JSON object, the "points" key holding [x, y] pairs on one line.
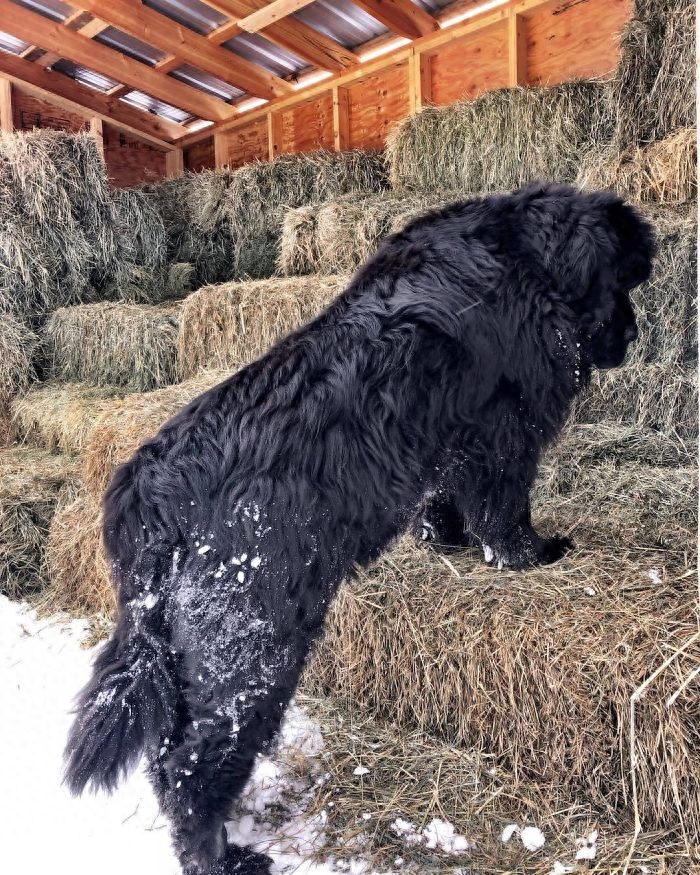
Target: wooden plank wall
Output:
{"points": [[29, 111], [536, 44], [131, 161], [200, 156]]}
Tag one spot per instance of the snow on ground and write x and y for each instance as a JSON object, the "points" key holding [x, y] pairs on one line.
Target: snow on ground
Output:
{"points": [[42, 666]]}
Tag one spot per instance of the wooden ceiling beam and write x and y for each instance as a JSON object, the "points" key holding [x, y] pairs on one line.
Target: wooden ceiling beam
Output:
{"points": [[64, 91], [271, 13], [90, 29], [288, 33], [401, 16], [162, 32], [80, 49]]}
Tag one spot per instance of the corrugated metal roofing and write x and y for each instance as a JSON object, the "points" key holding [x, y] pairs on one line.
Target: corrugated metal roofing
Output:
{"points": [[158, 107], [206, 82], [130, 45], [98, 81], [191, 13], [11, 44], [261, 51], [342, 21], [53, 9]]}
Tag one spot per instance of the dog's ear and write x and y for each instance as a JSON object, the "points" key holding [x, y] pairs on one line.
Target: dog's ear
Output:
{"points": [[636, 245]]}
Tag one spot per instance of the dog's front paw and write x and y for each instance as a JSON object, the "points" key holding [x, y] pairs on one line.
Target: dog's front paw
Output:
{"points": [[552, 549]]}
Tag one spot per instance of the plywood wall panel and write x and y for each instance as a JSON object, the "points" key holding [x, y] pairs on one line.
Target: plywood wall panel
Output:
{"points": [[575, 39], [131, 161], [245, 144], [375, 104], [308, 126], [33, 112], [467, 67], [200, 156]]}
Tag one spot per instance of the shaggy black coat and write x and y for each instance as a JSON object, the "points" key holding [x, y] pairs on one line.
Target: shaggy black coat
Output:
{"points": [[443, 370]]}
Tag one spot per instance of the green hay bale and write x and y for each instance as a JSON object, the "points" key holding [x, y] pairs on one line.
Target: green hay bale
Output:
{"points": [[663, 172], [59, 416], [57, 226], [261, 193], [653, 91], [30, 484], [226, 326], [110, 344], [501, 140], [659, 397], [18, 344]]}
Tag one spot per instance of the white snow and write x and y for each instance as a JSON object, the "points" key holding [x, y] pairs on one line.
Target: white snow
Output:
{"points": [[438, 834], [532, 838], [360, 770], [587, 848], [653, 575], [508, 832]]}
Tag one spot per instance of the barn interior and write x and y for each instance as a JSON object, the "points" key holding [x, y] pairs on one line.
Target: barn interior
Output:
{"points": [[182, 182]]}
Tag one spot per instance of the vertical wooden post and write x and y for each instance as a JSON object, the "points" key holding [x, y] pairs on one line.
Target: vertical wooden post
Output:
{"points": [[220, 150], [174, 163], [97, 129], [274, 134], [6, 122], [517, 49], [420, 80], [341, 119]]}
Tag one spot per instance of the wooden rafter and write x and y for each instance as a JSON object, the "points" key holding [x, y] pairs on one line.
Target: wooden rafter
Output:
{"points": [[271, 13], [295, 36], [162, 32], [80, 49], [65, 91], [402, 16]]}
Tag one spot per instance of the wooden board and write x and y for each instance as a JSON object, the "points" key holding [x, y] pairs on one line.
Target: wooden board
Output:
{"points": [[32, 112], [574, 39], [200, 156], [131, 161], [467, 67], [245, 144], [375, 104], [308, 126]]}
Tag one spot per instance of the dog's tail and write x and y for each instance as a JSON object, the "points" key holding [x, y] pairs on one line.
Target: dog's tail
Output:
{"points": [[130, 700]]}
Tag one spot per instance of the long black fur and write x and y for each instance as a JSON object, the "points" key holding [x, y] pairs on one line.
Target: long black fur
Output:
{"points": [[430, 386]]}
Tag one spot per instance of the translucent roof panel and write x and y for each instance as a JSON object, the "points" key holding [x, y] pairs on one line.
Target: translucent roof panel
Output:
{"points": [[342, 21], [129, 45], [11, 44], [260, 51], [435, 5], [206, 82], [54, 9], [193, 14], [158, 107], [86, 77]]}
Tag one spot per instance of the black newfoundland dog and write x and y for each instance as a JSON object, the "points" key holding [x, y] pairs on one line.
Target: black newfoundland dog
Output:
{"points": [[436, 378]]}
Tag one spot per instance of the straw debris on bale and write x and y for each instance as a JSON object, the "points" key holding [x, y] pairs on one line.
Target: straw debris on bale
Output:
{"points": [[501, 139], [30, 483], [18, 344], [260, 194], [111, 344], [534, 670], [59, 416], [653, 91], [226, 326]]}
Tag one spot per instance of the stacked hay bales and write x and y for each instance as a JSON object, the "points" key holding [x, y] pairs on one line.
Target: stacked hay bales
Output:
{"points": [[261, 193], [110, 344], [17, 347], [30, 483]]}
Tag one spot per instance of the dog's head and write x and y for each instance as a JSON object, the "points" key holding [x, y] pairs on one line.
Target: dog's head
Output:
{"points": [[597, 249]]}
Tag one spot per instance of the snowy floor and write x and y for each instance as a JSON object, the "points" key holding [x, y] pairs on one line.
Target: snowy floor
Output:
{"points": [[42, 666]]}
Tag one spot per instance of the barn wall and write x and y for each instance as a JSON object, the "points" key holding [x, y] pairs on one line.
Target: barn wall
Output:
{"points": [[131, 161], [200, 156], [467, 67], [30, 112]]}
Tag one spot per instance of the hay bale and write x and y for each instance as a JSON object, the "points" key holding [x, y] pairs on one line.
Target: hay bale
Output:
{"points": [[653, 92], [128, 422], [650, 396], [57, 225], [192, 208], [584, 444], [663, 172], [261, 193], [30, 483], [532, 670], [226, 326], [59, 416], [500, 140], [109, 344], [75, 559], [18, 344]]}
